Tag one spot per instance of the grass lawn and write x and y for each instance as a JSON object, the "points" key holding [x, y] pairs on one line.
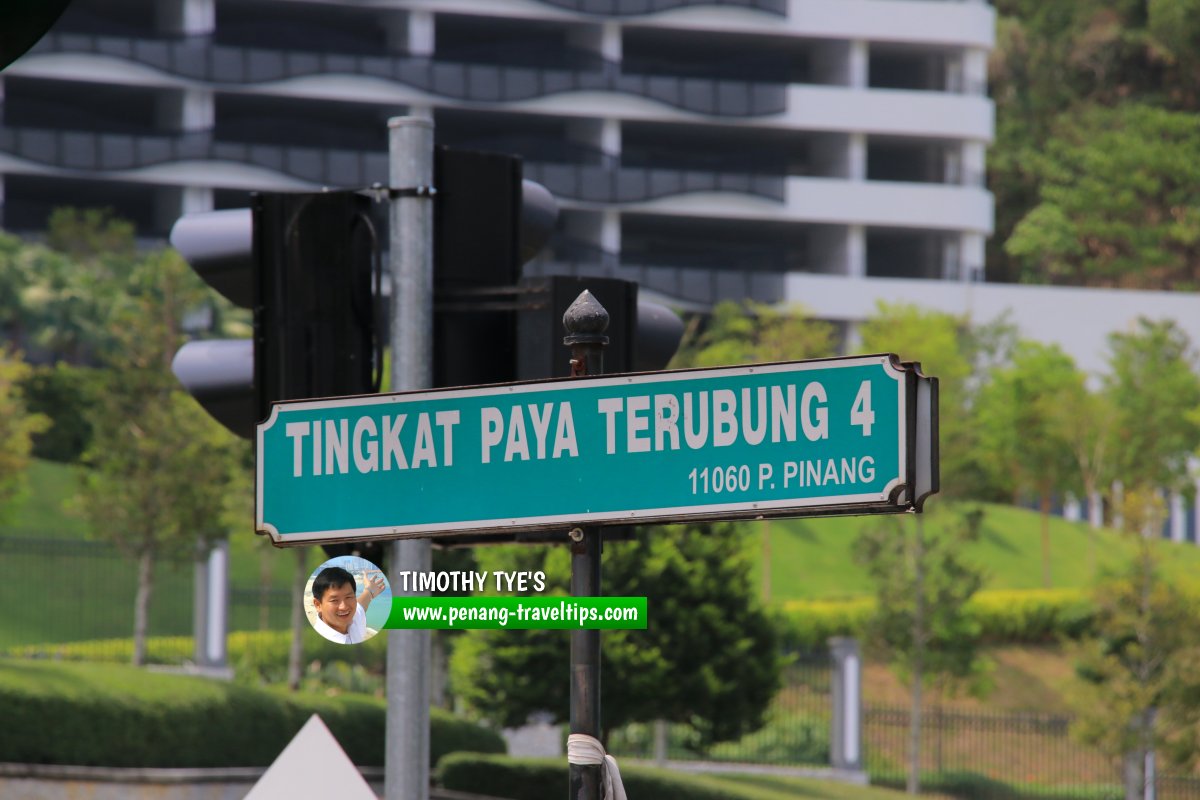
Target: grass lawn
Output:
{"points": [[45, 513], [1021, 678], [774, 786], [93, 594], [805, 558], [813, 558], [42, 510]]}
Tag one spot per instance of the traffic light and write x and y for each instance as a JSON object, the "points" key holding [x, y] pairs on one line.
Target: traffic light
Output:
{"points": [[492, 326], [309, 267], [487, 223]]}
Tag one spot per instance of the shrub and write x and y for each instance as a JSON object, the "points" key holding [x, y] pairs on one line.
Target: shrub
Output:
{"points": [[807, 625], [785, 739], [104, 714], [1032, 616], [535, 779], [973, 786], [451, 734], [254, 654], [1004, 617]]}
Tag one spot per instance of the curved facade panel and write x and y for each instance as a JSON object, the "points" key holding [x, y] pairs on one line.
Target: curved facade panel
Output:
{"points": [[633, 8], [956, 23], [197, 59], [77, 150], [598, 184], [841, 202], [113, 152]]}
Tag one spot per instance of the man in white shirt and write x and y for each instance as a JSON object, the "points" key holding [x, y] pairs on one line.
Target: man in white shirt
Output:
{"points": [[342, 617]]}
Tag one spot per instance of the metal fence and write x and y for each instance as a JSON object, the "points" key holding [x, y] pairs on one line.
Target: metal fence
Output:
{"points": [[981, 755], [84, 606], [84, 612], [86, 593], [988, 754]]}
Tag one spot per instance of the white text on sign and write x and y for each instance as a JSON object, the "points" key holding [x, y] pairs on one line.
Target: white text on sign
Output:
{"points": [[539, 431]]}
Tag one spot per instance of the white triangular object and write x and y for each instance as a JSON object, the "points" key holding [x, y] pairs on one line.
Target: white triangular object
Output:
{"points": [[312, 765]]}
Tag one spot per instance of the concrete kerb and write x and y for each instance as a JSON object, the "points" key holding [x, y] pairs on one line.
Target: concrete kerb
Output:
{"points": [[60, 781]]}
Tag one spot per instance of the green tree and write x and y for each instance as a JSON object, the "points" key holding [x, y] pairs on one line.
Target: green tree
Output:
{"points": [[15, 277], [1119, 201], [1052, 59], [1023, 413], [55, 300], [64, 393], [954, 351], [17, 428], [90, 234], [1154, 394], [922, 586], [159, 467], [738, 333], [1174, 39], [93, 259], [1088, 427], [1138, 686], [708, 658]]}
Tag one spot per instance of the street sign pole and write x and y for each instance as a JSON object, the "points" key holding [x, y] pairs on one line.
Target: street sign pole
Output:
{"points": [[410, 144], [585, 321]]}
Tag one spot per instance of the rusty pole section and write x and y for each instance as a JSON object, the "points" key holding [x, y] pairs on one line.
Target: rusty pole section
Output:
{"points": [[585, 321]]}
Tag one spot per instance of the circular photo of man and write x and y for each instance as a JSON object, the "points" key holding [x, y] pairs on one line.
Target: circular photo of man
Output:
{"points": [[348, 599]]}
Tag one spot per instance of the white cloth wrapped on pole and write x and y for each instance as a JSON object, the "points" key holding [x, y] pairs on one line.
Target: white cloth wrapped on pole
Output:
{"points": [[585, 750]]}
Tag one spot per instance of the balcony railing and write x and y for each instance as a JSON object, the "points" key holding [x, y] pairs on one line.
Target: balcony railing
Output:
{"points": [[687, 276], [102, 152], [633, 184], [630, 8], [197, 58], [695, 286]]}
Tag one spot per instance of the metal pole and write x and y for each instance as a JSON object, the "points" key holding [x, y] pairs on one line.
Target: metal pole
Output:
{"points": [[410, 174], [585, 321]]}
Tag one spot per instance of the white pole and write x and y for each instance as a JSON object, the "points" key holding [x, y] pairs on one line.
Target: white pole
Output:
{"points": [[218, 604], [410, 139], [1177, 518]]}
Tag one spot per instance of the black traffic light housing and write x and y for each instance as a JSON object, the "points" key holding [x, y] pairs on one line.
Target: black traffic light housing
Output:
{"points": [[487, 223], [492, 326], [308, 266], [317, 321]]}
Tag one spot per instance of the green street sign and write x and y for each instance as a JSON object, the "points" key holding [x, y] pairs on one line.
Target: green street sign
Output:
{"points": [[830, 436]]}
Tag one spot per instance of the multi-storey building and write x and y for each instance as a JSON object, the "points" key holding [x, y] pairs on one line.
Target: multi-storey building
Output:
{"points": [[707, 148]]}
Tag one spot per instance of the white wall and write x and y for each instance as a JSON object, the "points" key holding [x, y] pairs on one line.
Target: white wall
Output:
{"points": [[1078, 320]]}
